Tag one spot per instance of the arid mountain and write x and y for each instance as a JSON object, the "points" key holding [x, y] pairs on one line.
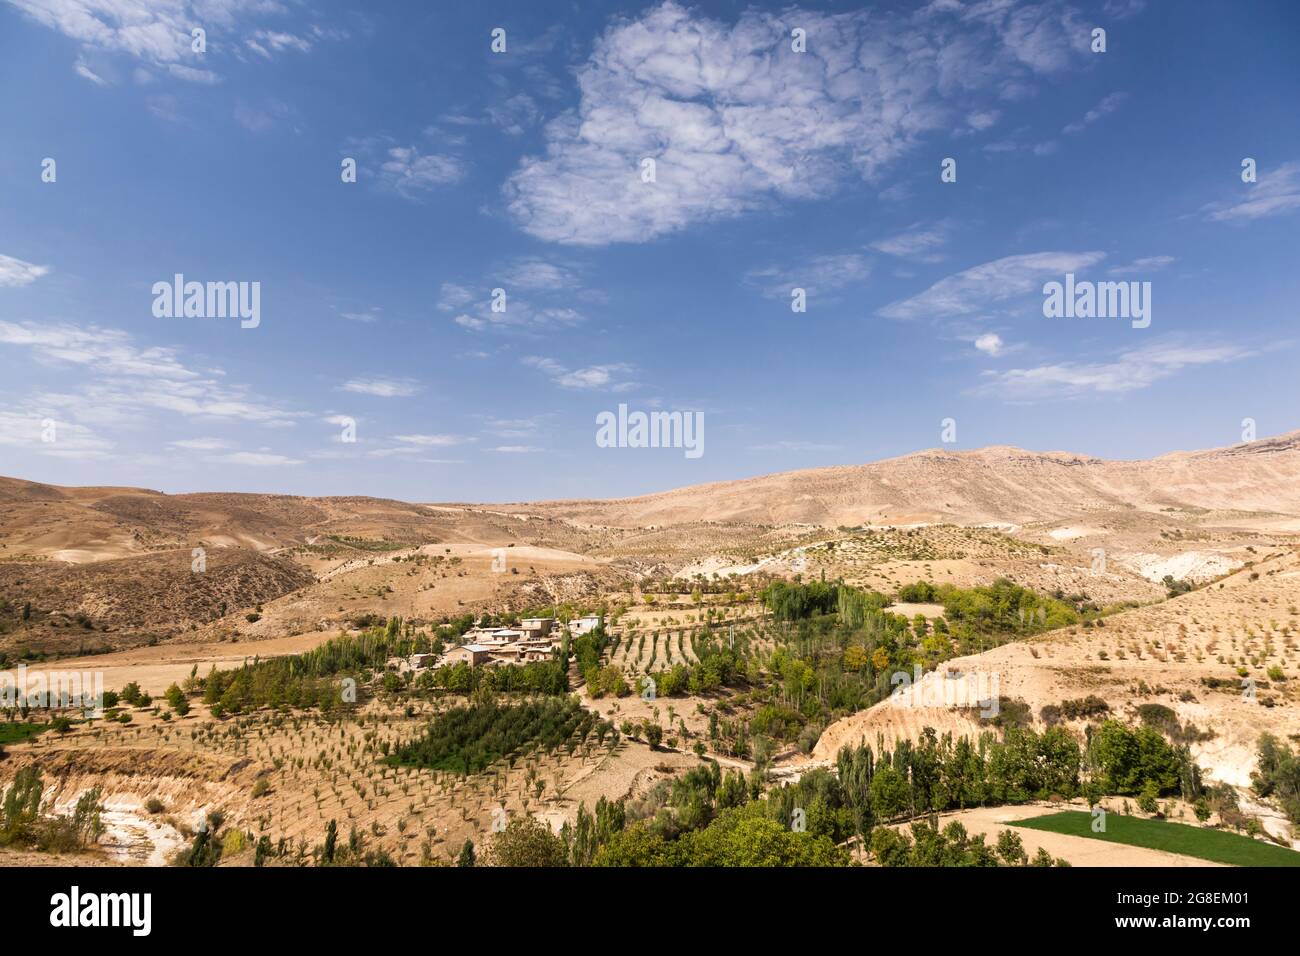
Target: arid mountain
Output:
{"points": [[112, 566], [996, 484]]}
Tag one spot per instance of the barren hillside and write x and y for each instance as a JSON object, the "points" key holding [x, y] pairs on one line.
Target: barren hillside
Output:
{"points": [[996, 484]]}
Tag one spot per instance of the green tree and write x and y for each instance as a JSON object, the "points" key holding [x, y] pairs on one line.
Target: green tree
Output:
{"points": [[527, 841], [466, 857], [331, 843]]}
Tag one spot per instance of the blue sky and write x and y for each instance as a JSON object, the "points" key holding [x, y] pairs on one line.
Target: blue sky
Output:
{"points": [[522, 171]]}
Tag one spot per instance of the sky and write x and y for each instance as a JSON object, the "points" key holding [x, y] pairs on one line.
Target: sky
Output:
{"points": [[561, 208]]}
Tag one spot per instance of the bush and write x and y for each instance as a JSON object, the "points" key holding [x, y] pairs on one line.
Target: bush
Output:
{"points": [[1147, 801], [526, 841], [1127, 759]]}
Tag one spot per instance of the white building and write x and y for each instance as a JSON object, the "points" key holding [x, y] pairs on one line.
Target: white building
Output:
{"points": [[584, 625]]}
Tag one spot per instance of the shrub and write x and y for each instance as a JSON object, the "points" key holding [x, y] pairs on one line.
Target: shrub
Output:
{"points": [[527, 841]]}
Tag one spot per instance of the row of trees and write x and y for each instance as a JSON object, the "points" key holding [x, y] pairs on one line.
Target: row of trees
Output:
{"points": [[953, 846], [537, 677], [467, 740]]}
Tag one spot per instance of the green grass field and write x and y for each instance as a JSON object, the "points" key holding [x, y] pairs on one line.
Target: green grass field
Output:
{"points": [[15, 733], [1215, 845]]}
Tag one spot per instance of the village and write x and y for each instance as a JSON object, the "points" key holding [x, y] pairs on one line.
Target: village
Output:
{"points": [[535, 639]]}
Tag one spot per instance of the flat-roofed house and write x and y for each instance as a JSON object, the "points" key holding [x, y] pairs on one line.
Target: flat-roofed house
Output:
{"points": [[537, 626], [471, 654], [493, 636]]}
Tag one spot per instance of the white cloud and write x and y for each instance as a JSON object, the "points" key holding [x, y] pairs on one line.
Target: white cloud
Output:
{"points": [[453, 296], [519, 314], [1276, 192], [116, 384], [267, 116], [1143, 265], [517, 449], [382, 387], [201, 444], [918, 242], [193, 74], [257, 459], [552, 289], [28, 428], [990, 343], [515, 114], [15, 272], [537, 275], [735, 119], [1132, 370], [121, 381], [818, 275], [267, 42], [1108, 105], [105, 351], [412, 174], [1123, 9], [432, 441], [367, 316], [82, 69], [985, 285], [514, 427], [158, 32], [605, 377]]}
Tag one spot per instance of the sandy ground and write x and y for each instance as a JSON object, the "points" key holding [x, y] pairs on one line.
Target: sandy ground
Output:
{"points": [[156, 668]]}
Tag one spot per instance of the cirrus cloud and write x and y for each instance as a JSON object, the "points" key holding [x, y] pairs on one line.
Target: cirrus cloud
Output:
{"points": [[982, 286]]}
